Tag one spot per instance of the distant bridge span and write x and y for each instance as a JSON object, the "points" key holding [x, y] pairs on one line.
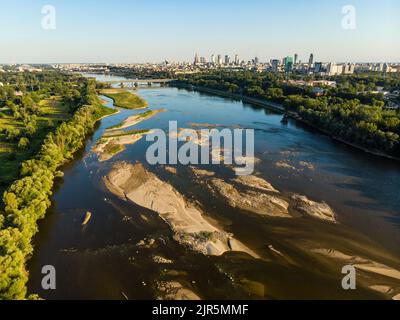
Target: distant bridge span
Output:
{"points": [[148, 81]]}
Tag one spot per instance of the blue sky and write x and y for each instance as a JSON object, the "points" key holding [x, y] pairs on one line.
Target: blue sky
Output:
{"points": [[152, 31]]}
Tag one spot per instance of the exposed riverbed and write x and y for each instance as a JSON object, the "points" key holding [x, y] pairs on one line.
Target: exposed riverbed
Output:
{"points": [[129, 250]]}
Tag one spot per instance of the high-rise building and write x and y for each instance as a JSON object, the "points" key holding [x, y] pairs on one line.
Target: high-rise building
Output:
{"points": [[203, 60], [311, 61], [236, 60], [275, 65], [196, 59], [227, 60], [213, 61], [295, 58], [219, 60], [288, 63], [318, 67], [333, 69], [348, 68], [256, 61]]}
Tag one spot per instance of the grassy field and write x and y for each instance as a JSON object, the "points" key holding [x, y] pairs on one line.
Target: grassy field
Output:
{"points": [[125, 99], [11, 157]]}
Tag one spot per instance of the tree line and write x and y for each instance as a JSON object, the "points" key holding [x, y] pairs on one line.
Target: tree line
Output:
{"points": [[28, 198], [350, 111]]}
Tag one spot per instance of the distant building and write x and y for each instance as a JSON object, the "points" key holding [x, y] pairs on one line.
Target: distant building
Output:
{"points": [[318, 68], [386, 68], [288, 63], [227, 60], [213, 61], [219, 60], [196, 59], [275, 65], [295, 58], [237, 62], [333, 69], [311, 60], [348, 68]]}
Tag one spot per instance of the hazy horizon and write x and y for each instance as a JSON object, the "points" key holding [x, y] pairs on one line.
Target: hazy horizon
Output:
{"points": [[141, 32]]}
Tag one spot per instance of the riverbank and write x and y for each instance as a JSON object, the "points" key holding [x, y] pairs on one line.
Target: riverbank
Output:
{"points": [[280, 108], [28, 198]]}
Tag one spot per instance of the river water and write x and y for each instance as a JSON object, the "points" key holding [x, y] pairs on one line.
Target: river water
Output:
{"points": [[102, 260]]}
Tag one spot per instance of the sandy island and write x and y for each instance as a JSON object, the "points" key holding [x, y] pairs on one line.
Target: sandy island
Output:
{"points": [[110, 145], [135, 119], [133, 182], [254, 194]]}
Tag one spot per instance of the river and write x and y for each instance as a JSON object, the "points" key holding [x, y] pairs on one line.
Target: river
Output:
{"points": [[102, 260]]}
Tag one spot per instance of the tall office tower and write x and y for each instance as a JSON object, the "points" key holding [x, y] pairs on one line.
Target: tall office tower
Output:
{"points": [[219, 60], [227, 60], [236, 60], [288, 63], [256, 61], [318, 67], [196, 59], [295, 58], [213, 59], [203, 60], [275, 65], [311, 61]]}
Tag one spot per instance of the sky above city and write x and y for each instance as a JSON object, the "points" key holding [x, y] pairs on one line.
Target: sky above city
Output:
{"points": [[153, 31]]}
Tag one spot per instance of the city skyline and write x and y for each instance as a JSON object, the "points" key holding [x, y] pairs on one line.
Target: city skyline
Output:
{"points": [[138, 32]]}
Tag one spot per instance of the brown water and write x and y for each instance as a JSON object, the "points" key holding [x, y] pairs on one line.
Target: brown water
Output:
{"points": [[102, 259]]}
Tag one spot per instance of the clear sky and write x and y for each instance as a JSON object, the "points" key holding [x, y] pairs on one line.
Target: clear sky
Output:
{"points": [[152, 31]]}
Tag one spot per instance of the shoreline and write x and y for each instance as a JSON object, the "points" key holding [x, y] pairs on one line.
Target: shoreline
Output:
{"points": [[278, 107], [110, 96]]}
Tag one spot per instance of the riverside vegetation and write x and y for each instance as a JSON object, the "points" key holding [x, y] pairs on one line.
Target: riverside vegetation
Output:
{"points": [[27, 199], [125, 99], [353, 111]]}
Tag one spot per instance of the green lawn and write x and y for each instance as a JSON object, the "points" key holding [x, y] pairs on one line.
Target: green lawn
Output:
{"points": [[54, 113], [125, 99], [11, 157]]}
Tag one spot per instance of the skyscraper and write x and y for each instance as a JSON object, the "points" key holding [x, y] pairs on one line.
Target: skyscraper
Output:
{"points": [[236, 60], [295, 58], [196, 59], [219, 59], [213, 59], [318, 67], [275, 65], [288, 63], [311, 61], [227, 60]]}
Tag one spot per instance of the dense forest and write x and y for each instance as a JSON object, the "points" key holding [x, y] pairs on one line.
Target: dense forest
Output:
{"points": [[353, 110], [27, 199]]}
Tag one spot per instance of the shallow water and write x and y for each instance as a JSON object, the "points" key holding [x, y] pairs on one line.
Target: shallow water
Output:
{"points": [[101, 260]]}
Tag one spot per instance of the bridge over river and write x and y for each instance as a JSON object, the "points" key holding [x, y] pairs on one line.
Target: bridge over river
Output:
{"points": [[139, 82]]}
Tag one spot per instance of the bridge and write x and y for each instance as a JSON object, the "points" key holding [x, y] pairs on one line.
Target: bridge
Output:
{"points": [[139, 82]]}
